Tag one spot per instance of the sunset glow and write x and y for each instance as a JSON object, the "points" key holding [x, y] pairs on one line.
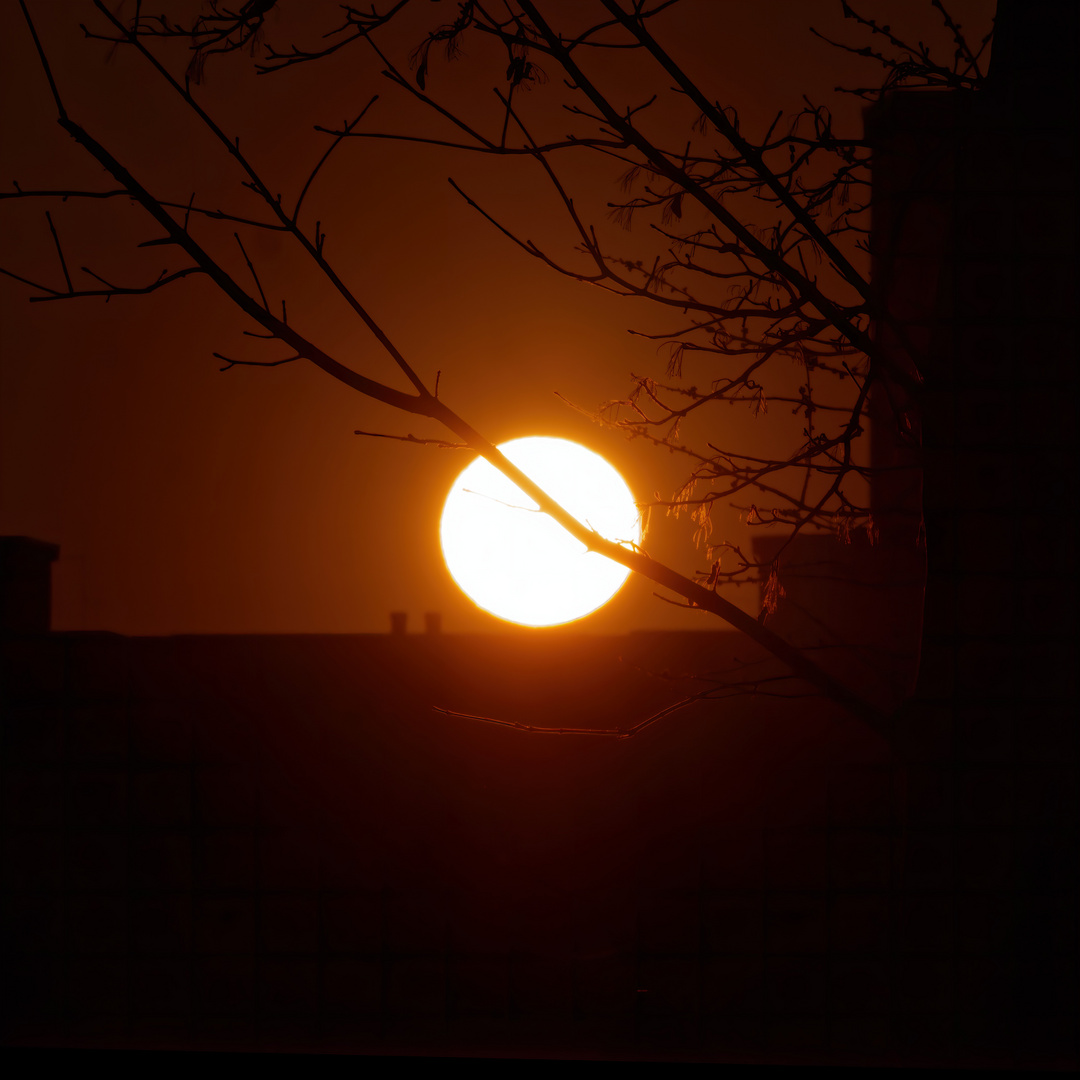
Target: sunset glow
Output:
{"points": [[516, 562]]}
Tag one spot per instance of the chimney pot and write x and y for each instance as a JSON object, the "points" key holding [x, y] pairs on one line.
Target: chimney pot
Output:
{"points": [[26, 584]]}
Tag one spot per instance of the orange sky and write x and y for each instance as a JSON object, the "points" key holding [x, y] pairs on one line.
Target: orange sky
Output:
{"points": [[187, 500]]}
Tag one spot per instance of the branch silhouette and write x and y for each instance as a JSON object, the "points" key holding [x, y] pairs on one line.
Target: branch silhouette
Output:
{"points": [[794, 291]]}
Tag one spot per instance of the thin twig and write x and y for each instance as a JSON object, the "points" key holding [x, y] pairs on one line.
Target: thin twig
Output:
{"points": [[413, 439], [254, 273], [536, 729], [322, 161], [59, 251]]}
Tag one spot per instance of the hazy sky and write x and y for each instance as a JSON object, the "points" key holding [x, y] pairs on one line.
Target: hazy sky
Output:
{"points": [[189, 500]]}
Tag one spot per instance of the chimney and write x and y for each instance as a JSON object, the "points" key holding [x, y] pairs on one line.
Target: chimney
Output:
{"points": [[398, 619], [26, 584], [432, 622]]}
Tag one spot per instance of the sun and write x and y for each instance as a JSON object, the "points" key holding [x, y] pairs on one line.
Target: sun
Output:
{"points": [[517, 563]]}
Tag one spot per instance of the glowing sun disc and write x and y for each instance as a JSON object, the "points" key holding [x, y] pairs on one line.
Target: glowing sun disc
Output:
{"points": [[514, 561]]}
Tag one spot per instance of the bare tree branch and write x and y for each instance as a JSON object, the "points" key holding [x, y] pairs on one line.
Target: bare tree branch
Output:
{"points": [[750, 295]]}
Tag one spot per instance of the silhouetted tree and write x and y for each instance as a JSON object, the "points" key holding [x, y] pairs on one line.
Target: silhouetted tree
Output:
{"points": [[757, 247]]}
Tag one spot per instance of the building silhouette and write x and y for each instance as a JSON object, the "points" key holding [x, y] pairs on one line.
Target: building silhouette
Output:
{"points": [[276, 842]]}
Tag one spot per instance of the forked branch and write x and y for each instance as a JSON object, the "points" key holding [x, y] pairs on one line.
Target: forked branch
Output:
{"points": [[424, 402]]}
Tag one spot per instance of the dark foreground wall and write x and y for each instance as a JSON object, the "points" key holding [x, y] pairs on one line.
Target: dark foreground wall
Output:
{"points": [[275, 843]]}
